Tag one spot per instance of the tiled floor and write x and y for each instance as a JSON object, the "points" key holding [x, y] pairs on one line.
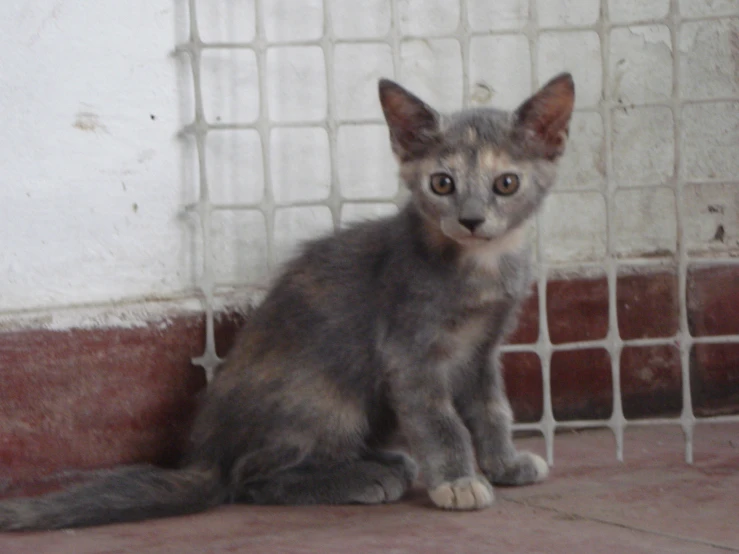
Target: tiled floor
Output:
{"points": [[652, 503]]}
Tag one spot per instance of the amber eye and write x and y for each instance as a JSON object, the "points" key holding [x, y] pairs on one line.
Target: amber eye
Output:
{"points": [[506, 184], [442, 184]]}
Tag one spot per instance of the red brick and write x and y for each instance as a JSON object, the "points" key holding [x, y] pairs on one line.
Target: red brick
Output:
{"points": [[577, 310], [714, 379], [582, 386], [713, 300], [523, 381], [88, 398], [647, 305], [651, 381]]}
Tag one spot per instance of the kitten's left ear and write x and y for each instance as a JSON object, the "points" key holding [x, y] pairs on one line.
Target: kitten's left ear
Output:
{"points": [[544, 119]]}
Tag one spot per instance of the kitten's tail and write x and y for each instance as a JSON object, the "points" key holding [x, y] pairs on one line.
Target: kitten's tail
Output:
{"points": [[129, 493]]}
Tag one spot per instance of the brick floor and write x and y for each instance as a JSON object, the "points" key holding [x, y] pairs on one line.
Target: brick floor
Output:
{"points": [[651, 503]]}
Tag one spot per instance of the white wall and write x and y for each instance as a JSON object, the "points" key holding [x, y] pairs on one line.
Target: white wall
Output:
{"points": [[90, 167], [93, 187]]}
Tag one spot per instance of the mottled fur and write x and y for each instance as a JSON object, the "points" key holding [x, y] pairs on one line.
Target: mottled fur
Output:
{"points": [[390, 326]]}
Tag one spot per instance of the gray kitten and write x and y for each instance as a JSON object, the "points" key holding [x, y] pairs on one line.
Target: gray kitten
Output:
{"points": [[390, 326]]}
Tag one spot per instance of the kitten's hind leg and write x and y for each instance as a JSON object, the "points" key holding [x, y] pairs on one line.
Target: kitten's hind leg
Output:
{"points": [[375, 478]]}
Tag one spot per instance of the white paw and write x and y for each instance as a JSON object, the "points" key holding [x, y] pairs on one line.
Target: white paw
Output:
{"points": [[467, 493], [541, 466]]}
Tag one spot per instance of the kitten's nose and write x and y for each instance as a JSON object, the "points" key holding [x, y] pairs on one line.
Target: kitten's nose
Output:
{"points": [[471, 223]]}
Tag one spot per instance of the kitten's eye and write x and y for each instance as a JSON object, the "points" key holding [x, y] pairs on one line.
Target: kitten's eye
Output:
{"points": [[442, 184], [506, 184]]}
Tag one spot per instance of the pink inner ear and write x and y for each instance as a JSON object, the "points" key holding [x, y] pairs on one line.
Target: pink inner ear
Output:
{"points": [[410, 120], [548, 112], [403, 110]]}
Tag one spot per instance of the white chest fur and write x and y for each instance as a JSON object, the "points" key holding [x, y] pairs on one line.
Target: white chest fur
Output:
{"points": [[485, 256]]}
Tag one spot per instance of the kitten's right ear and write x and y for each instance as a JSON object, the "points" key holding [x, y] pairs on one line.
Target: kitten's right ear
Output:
{"points": [[414, 126]]}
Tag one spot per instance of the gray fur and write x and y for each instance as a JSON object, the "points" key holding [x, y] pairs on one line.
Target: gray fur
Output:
{"points": [[129, 493], [391, 326]]}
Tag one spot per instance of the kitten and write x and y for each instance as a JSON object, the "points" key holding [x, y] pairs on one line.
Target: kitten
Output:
{"points": [[389, 326]]}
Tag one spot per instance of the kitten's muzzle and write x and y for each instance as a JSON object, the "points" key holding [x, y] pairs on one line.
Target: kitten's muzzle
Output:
{"points": [[466, 230]]}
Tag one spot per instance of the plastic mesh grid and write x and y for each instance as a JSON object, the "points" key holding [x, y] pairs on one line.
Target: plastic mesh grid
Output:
{"points": [[543, 347]]}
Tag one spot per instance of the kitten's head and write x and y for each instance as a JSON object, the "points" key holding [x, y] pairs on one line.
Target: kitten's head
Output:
{"points": [[479, 173]]}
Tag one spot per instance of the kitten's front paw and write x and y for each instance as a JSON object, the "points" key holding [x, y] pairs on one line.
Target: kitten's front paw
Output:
{"points": [[467, 493]]}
